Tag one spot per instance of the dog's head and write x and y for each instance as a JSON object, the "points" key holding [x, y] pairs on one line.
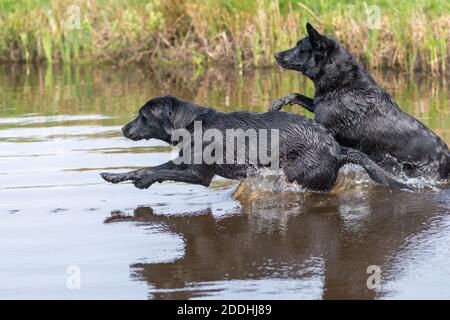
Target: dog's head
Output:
{"points": [[159, 117], [313, 54], [155, 120]]}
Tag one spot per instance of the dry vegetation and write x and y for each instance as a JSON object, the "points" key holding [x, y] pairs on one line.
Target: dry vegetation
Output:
{"points": [[413, 35]]}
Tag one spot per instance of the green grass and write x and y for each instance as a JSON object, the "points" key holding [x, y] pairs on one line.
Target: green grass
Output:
{"points": [[414, 35]]}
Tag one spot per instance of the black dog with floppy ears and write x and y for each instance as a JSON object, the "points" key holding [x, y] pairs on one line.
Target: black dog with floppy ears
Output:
{"points": [[307, 153], [358, 112]]}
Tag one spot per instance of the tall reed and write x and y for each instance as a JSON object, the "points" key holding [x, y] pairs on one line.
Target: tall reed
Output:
{"points": [[410, 36]]}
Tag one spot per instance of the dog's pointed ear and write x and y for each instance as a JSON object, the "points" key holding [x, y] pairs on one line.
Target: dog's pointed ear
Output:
{"points": [[318, 41]]}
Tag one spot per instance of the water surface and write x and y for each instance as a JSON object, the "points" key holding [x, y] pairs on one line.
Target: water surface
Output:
{"points": [[60, 127]]}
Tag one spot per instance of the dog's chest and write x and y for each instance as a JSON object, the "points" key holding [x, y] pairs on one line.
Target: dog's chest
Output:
{"points": [[330, 115], [342, 120], [339, 107]]}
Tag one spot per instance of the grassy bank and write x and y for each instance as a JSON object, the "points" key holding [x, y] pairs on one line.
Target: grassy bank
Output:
{"points": [[411, 35]]}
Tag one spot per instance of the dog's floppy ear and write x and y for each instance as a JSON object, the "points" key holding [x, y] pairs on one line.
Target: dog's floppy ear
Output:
{"points": [[318, 41]]}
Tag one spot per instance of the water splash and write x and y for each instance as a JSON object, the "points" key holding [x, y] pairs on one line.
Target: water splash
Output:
{"points": [[351, 177], [269, 180]]}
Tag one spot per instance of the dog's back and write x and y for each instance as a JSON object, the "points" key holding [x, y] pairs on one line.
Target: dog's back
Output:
{"points": [[295, 131]]}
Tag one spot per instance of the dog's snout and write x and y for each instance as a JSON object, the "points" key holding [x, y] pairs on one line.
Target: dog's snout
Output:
{"points": [[128, 132], [278, 56]]}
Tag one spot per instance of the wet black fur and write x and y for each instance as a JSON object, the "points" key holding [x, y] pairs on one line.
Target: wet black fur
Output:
{"points": [[309, 155], [358, 112]]}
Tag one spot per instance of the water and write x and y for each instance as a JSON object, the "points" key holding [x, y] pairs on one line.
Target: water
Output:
{"points": [[60, 223]]}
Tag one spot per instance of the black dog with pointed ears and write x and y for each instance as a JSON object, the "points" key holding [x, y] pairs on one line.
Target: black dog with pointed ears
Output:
{"points": [[358, 112]]}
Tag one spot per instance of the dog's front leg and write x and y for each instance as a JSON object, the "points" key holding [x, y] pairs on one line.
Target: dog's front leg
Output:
{"points": [[293, 98], [136, 174], [194, 176]]}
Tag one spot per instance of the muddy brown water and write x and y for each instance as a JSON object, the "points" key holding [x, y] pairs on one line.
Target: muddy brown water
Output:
{"points": [[66, 234]]}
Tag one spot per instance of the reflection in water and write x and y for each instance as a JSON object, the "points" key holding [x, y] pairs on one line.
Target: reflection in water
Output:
{"points": [[60, 127], [309, 245], [120, 92]]}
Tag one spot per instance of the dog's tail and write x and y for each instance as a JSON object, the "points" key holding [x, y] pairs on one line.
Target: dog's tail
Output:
{"points": [[375, 172]]}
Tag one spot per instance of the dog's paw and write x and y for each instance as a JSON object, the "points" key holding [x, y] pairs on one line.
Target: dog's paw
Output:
{"points": [[143, 183], [112, 177], [276, 105]]}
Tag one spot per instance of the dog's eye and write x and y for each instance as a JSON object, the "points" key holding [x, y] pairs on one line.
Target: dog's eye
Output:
{"points": [[142, 115]]}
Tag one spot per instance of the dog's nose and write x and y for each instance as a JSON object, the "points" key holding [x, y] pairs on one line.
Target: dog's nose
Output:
{"points": [[125, 130], [277, 56]]}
